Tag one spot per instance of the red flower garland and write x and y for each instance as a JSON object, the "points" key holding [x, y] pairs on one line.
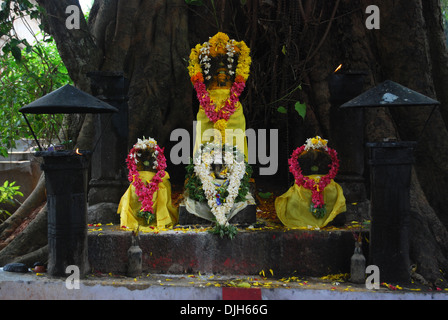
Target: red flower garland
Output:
{"points": [[316, 188], [209, 107], [144, 192]]}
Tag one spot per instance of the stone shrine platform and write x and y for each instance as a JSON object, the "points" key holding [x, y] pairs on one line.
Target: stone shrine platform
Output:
{"points": [[272, 249], [263, 245]]}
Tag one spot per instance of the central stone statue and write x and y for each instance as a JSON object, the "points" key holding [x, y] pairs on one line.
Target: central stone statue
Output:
{"points": [[218, 71], [217, 181]]}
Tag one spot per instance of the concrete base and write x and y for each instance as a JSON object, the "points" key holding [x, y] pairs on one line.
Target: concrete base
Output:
{"points": [[190, 288], [177, 251]]}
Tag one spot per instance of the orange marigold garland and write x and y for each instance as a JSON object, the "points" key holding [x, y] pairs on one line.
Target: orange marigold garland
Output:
{"points": [[199, 66]]}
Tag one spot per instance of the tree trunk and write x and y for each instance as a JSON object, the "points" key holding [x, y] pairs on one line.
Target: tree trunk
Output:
{"points": [[33, 238], [400, 51], [292, 43], [35, 199], [409, 63]]}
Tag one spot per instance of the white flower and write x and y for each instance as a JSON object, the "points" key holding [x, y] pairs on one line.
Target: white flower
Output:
{"points": [[143, 144], [316, 143], [237, 169], [228, 158]]}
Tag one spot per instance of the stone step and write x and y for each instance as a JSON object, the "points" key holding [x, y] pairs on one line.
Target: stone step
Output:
{"points": [[17, 156], [284, 251], [12, 165]]}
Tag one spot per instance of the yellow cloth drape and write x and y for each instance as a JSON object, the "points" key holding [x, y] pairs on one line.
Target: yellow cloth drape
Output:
{"points": [[166, 214], [236, 121], [293, 207]]}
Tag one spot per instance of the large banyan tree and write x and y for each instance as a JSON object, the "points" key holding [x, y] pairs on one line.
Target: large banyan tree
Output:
{"points": [[295, 45]]}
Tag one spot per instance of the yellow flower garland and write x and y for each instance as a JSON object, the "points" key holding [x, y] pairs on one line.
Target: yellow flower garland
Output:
{"points": [[219, 44]]}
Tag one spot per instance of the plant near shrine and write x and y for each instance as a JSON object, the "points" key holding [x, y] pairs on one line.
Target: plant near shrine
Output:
{"points": [[25, 77], [29, 70], [8, 193]]}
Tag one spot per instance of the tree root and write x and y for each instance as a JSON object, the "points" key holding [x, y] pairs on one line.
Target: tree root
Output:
{"points": [[35, 199], [32, 238]]}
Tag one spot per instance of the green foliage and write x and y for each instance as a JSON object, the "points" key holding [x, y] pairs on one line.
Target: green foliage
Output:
{"points": [[229, 231], [193, 185], [28, 72], [148, 216], [298, 106], [282, 110], [8, 193], [265, 195], [301, 109]]}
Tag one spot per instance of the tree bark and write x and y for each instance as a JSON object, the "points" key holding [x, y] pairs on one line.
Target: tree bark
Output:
{"points": [[292, 43], [402, 51], [35, 199], [33, 238], [156, 66], [429, 241], [408, 61], [76, 47]]}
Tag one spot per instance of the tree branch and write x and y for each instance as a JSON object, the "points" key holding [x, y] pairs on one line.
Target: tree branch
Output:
{"points": [[76, 46]]}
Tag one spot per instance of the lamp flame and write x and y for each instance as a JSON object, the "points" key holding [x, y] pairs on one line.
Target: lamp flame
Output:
{"points": [[77, 152], [338, 68]]}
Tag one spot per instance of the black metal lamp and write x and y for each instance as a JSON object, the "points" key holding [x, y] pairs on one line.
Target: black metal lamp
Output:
{"points": [[66, 175], [65, 100], [390, 178]]}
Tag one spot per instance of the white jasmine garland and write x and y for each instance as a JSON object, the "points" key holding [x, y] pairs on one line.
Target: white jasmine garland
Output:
{"points": [[203, 161], [316, 143], [204, 58]]}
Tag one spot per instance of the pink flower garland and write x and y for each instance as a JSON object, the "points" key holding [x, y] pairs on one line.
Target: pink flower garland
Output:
{"points": [[209, 107], [145, 193], [317, 189]]}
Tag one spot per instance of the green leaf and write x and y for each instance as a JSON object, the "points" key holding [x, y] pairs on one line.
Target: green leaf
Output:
{"points": [[265, 195], [3, 152], [301, 109], [16, 53], [243, 285], [282, 110]]}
